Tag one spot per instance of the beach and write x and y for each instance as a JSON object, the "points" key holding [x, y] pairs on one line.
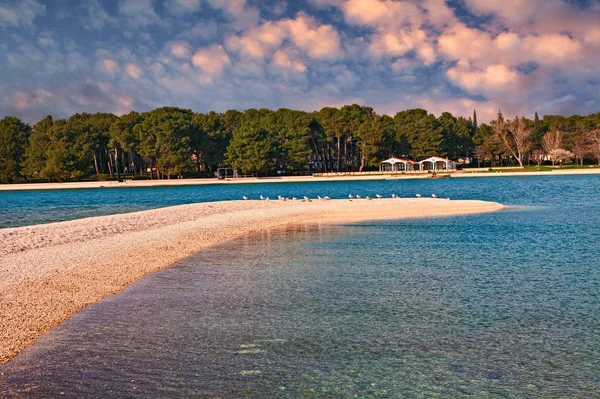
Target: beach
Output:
{"points": [[285, 179], [48, 272]]}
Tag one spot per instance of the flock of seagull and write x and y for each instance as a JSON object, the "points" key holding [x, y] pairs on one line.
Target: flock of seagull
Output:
{"points": [[326, 198]]}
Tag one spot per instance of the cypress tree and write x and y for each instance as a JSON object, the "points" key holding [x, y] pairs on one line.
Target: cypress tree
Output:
{"points": [[475, 126]]}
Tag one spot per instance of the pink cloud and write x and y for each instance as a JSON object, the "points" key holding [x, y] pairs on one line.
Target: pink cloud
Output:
{"points": [[211, 60], [284, 60], [108, 66], [180, 49], [318, 41], [492, 78], [304, 32], [134, 71]]}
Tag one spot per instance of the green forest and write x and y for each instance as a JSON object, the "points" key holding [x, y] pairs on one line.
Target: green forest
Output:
{"points": [[172, 142]]}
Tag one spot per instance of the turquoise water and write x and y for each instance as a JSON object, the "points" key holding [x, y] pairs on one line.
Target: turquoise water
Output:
{"points": [[21, 208], [499, 305]]}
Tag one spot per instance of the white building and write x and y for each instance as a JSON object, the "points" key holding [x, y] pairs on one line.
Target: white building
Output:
{"points": [[399, 165], [436, 164]]}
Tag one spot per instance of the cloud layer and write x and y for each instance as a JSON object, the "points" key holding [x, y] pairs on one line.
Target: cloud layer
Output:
{"points": [[520, 56]]}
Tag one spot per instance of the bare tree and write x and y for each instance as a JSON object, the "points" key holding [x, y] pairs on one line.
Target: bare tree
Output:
{"points": [[580, 146], [538, 156], [552, 141], [515, 135], [560, 155], [481, 153], [593, 137]]}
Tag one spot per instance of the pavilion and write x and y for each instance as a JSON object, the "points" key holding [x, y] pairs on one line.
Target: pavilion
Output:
{"points": [[436, 164], [399, 165]]}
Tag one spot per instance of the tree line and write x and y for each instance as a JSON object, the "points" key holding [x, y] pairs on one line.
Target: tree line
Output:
{"points": [[174, 142]]}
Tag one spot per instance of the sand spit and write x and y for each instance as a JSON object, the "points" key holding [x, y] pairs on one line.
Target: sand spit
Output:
{"points": [[48, 272]]}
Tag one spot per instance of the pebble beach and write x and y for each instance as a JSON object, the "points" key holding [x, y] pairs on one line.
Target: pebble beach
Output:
{"points": [[49, 272]]}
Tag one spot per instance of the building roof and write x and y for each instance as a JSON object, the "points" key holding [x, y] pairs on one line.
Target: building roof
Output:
{"points": [[398, 160], [436, 159]]}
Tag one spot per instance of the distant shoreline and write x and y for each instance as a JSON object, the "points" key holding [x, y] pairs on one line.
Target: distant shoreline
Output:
{"points": [[49, 272], [284, 179]]}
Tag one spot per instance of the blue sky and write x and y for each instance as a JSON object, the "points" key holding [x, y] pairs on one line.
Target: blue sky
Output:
{"points": [[63, 56]]}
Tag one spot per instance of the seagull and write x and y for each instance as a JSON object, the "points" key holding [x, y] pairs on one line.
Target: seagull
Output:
{"points": [[267, 199], [294, 199], [368, 198], [319, 197], [261, 197], [394, 196], [378, 195], [419, 195], [350, 196], [358, 196], [244, 197], [306, 198], [280, 198], [434, 196], [326, 198]]}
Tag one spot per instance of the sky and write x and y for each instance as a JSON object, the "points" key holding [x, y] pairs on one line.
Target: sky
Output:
{"points": [[60, 57]]}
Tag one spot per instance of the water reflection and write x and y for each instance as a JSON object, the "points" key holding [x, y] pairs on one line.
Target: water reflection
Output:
{"points": [[451, 307]]}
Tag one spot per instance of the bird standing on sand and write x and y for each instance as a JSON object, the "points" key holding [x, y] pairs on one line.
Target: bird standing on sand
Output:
{"points": [[261, 197], [358, 196], [326, 198], [378, 195], [244, 197], [419, 195], [394, 196], [368, 198], [306, 198], [319, 197], [350, 196], [433, 196]]}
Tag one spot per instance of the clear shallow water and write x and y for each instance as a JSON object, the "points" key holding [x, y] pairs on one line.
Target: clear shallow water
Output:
{"points": [[21, 208], [500, 305]]}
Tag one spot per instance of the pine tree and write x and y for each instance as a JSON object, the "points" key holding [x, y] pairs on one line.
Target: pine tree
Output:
{"points": [[14, 135]]}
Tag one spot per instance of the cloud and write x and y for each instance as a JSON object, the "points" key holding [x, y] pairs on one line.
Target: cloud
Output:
{"points": [[492, 78], [20, 12], [211, 61], [133, 70], [403, 42], [97, 17], [182, 7], [180, 49], [513, 11], [390, 54], [243, 16], [285, 59], [139, 13], [108, 66], [510, 48], [317, 41]]}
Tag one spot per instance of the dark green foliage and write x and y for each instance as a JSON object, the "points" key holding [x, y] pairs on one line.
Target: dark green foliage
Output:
{"points": [[165, 137], [13, 140], [171, 141], [35, 153], [251, 150]]}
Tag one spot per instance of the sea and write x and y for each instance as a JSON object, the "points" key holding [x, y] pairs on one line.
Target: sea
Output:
{"points": [[495, 305]]}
